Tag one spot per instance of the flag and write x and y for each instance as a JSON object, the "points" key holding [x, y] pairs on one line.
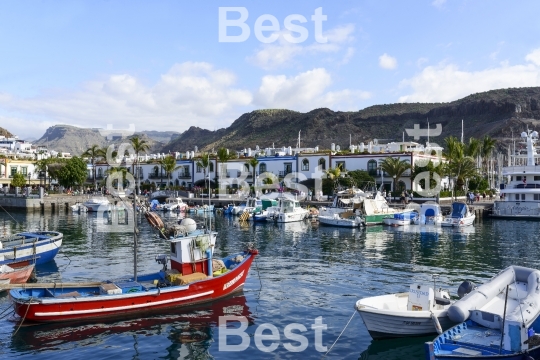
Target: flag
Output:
{"points": [[524, 180]]}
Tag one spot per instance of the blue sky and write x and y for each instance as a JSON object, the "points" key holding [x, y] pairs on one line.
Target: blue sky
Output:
{"points": [[161, 66]]}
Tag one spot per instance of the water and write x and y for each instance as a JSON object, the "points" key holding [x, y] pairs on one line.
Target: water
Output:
{"points": [[303, 272]]}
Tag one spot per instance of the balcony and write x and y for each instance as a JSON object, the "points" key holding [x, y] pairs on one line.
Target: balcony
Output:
{"points": [[156, 176], [184, 175], [284, 173]]}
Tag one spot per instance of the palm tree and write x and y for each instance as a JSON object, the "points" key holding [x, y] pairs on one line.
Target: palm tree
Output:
{"points": [[169, 165], [93, 153], [139, 146], [222, 156], [460, 166], [253, 162], [204, 163], [488, 145], [394, 167], [334, 174]]}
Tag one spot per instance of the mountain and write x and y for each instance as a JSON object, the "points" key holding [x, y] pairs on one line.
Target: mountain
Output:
{"points": [[4, 132], [75, 140], [496, 113]]}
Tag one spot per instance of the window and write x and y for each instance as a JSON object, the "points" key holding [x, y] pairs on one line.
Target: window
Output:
{"points": [[522, 197], [199, 168], [24, 170], [537, 197], [305, 165], [401, 186], [100, 172], [246, 167], [262, 168], [536, 178], [517, 197], [211, 167], [372, 167], [13, 170], [341, 165], [156, 170], [518, 178], [288, 168], [322, 163]]}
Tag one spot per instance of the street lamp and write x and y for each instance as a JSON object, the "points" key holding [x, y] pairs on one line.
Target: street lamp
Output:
{"points": [[394, 184]]}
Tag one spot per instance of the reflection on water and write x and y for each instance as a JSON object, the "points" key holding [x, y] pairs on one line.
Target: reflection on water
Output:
{"points": [[303, 272], [183, 333]]}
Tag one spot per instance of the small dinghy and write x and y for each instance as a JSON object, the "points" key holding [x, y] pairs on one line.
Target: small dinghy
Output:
{"points": [[495, 320], [421, 311], [401, 219], [460, 216]]}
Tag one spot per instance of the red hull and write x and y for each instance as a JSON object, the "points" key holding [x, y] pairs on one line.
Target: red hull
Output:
{"points": [[107, 306], [19, 275]]}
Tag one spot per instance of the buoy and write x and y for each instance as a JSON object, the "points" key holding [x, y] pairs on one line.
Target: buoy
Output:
{"points": [[436, 323]]}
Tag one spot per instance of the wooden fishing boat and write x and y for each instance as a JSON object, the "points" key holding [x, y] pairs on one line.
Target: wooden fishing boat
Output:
{"points": [[193, 277], [18, 275], [27, 248]]}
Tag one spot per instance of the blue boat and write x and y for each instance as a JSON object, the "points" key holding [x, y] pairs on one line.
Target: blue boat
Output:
{"points": [[37, 247], [498, 320]]}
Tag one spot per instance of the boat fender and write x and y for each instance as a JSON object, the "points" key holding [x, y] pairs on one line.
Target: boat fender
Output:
{"points": [[209, 257], [436, 323]]}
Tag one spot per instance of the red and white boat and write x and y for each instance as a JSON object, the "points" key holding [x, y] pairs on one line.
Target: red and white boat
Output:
{"points": [[16, 275], [193, 277]]}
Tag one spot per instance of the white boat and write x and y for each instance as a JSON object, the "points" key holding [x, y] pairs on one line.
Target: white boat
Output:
{"points": [[429, 214], [401, 219], [238, 209], [97, 203], [79, 208], [344, 201], [460, 216], [176, 204], [421, 311], [376, 209], [522, 191], [290, 211], [345, 219], [495, 320]]}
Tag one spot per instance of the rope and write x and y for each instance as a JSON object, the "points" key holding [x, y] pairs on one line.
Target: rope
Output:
{"points": [[9, 215], [339, 335], [24, 318]]}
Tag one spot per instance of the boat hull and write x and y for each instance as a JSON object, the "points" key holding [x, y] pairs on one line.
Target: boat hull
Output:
{"points": [[73, 308], [18, 275], [332, 221], [29, 253], [375, 219], [386, 325]]}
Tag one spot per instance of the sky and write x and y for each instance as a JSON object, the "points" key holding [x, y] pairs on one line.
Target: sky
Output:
{"points": [[169, 65]]}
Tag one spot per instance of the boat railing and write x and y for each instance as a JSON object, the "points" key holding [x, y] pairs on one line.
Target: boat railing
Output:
{"points": [[519, 170]]}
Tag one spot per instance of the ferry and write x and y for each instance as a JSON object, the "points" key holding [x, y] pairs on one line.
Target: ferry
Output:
{"points": [[520, 197]]}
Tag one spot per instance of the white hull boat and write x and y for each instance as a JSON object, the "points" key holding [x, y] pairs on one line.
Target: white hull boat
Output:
{"points": [[401, 219], [460, 216], [351, 221], [79, 208], [419, 312], [429, 214], [175, 205], [97, 204], [290, 211]]}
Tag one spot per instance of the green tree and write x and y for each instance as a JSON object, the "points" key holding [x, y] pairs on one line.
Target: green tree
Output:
{"points": [[222, 157], [358, 178], [204, 163], [333, 174], [93, 153], [460, 166], [18, 180], [253, 162], [72, 173], [488, 145], [394, 167], [139, 146], [118, 170], [169, 165]]}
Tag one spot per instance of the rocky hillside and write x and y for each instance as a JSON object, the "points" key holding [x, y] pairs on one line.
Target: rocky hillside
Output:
{"points": [[75, 140], [495, 112], [4, 132]]}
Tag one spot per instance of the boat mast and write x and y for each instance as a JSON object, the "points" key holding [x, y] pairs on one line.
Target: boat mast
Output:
{"points": [[135, 237]]}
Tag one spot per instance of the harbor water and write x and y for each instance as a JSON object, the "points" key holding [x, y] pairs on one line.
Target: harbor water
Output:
{"points": [[305, 273]]}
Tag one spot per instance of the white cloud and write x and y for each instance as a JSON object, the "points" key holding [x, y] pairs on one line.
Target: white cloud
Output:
{"points": [[282, 52], [348, 56], [304, 92], [189, 93], [446, 82], [387, 62], [438, 3]]}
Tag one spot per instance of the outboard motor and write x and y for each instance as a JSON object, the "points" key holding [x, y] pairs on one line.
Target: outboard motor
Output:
{"points": [[465, 288]]}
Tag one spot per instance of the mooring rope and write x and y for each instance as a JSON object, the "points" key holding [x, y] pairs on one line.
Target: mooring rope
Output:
{"points": [[339, 335], [24, 318]]}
